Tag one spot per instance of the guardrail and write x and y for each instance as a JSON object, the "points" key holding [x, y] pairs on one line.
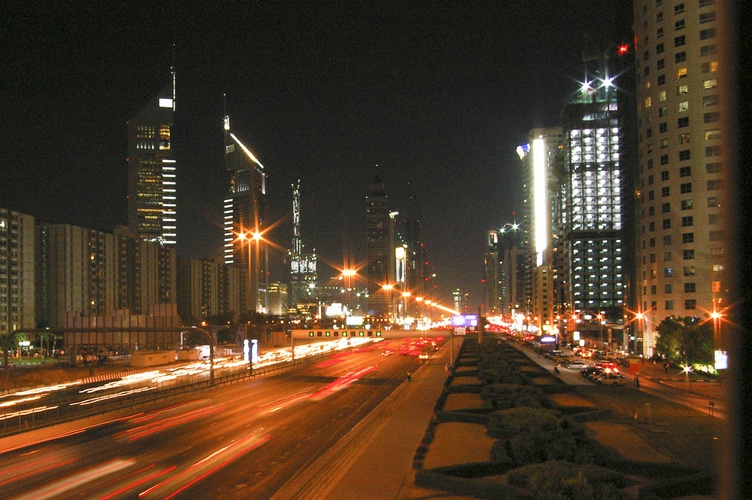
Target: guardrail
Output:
{"points": [[70, 409]]}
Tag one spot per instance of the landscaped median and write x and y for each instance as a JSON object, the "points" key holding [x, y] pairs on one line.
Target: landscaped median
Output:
{"points": [[506, 428]]}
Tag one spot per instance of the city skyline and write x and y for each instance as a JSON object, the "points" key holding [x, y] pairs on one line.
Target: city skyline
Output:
{"points": [[431, 101]]}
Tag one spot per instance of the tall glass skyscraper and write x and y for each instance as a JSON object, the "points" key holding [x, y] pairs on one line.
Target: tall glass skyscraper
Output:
{"points": [[592, 212], [245, 212], [152, 180], [380, 250]]}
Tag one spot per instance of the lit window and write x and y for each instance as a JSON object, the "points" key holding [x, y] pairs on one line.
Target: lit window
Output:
{"points": [[683, 106], [711, 135], [709, 67], [682, 73], [710, 84]]}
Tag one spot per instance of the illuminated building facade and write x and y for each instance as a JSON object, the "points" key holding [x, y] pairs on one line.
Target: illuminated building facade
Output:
{"points": [[592, 209], [682, 243], [17, 271], [245, 212], [544, 160], [380, 249], [303, 274], [152, 179]]}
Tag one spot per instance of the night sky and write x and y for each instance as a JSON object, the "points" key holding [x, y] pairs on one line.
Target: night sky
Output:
{"points": [[434, 98]]}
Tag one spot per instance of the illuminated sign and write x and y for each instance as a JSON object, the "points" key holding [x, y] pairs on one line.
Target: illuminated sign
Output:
{"points": [[165, 102], [721, 360], [459, 320]]}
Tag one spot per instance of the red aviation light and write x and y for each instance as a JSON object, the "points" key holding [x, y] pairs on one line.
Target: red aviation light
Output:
{"points": [[623, 49]]}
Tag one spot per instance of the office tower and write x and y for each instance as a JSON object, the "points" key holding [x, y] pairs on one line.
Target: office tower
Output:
{"points": [[302, 264], [245, 212], [17, 271], [411, 265], [681, 242], [380, 249], [592, 210], [544, 162], [506, 269], [492, 275], [152, 195]]}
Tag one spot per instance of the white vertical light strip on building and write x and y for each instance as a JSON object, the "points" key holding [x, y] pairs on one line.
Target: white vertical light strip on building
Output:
{"points": [[540, 202]]}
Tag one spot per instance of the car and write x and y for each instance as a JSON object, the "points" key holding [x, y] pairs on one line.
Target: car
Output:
{"points": [[590, 372], [576, 365], [610, 379]]}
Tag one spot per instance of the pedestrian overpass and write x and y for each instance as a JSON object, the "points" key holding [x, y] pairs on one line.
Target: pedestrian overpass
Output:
{"points": [[377, 333]]}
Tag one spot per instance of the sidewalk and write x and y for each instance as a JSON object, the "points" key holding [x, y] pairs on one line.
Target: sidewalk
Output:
{"points": [[375, 459]]}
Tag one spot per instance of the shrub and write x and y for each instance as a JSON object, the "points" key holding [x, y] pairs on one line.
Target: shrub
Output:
{"points": [[524, 419], [557, 479], [523, 450], [561, 449]]}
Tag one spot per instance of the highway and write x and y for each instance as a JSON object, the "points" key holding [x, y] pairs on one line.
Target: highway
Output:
{"points": [[238, 441]]}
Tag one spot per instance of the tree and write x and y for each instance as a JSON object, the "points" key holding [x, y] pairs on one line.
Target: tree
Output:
{"points": [[669, 340], [685, 340]]}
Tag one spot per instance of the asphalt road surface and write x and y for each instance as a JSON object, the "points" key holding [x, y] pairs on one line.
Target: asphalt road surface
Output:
{"points": [[239, 441]]}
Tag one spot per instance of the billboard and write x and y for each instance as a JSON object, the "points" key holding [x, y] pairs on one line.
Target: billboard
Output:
{"points": [[465, 320]]}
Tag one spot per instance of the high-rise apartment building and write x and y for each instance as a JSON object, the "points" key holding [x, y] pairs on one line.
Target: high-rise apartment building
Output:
{"points": [[152, 170], [681, 244], [17, 271], [92, 273], [245, 213]]}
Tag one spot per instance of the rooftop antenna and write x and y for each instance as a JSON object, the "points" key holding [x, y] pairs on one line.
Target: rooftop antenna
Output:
{"points": [[172, 71]]}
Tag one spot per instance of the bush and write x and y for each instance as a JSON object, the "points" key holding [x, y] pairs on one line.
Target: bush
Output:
{"points": [[524, 419], [557, 479], [523, 450], [562, 449]]}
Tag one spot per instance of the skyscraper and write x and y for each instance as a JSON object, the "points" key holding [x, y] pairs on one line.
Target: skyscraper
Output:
{"points": [[681, 243], [592, 215], [245, 212], [302, 264], [544, 161], [152, 186], [380, 250], [17, 271]]}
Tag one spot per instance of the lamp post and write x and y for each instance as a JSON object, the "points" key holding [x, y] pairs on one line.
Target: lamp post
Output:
{"points": [[405, 296], [716, 328], [249, 237], [388, 289], [600, 329], [348, 275], [639, 317]]}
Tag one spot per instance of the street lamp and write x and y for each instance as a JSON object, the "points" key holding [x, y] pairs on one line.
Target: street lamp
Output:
{"points": [[348, 275], [640, 317], [388, 289], [600, 329], [405, 296], [716, 328], [250, 237]]}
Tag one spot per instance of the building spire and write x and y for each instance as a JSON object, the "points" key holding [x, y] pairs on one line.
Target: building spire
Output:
{"points": [[172, 73]]}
